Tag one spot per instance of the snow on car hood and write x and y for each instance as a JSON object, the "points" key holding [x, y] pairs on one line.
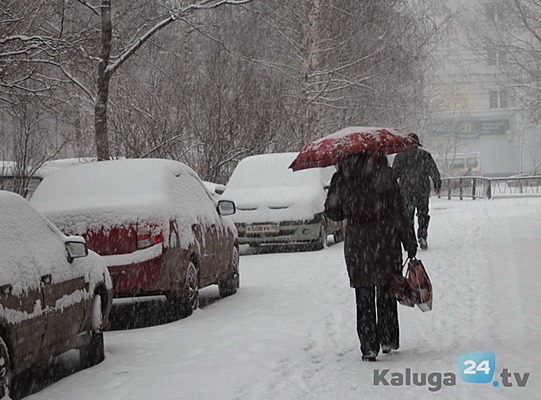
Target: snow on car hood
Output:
{"points": [[276, 204]]}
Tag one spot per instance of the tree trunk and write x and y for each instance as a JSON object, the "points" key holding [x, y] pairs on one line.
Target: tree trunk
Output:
{"points": [[100, 118], [310, 64], [103, 79]]}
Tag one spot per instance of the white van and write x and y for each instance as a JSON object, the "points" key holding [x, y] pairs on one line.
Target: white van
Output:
{"points": [[278, 206]]}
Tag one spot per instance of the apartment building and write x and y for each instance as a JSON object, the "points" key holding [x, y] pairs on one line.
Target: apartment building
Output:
{"points": [[473, 110]]}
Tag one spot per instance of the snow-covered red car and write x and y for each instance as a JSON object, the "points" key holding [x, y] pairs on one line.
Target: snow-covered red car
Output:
{"points": [[152, 221], [55, 295]]}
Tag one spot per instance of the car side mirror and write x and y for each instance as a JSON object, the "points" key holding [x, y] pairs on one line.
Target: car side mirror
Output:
{"points": [[75, 250], [226, 207]]}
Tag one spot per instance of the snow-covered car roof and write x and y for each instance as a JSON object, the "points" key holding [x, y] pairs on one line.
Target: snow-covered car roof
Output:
{"points": [[118, 183], [269, 170]]}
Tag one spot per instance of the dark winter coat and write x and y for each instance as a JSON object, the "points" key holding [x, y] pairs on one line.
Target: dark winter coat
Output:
{"points": [[365, 193], [413, 170]]}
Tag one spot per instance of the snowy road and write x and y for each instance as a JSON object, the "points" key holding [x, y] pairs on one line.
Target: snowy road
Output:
{"points": [[289, 333]]}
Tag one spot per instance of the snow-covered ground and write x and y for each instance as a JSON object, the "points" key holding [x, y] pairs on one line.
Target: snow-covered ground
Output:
{"points": [[289, 333]]}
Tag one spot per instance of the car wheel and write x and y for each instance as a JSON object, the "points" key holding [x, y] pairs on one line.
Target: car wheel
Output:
{"points": [[5, 371], [190, 294], [230, 286], [94, 352]]}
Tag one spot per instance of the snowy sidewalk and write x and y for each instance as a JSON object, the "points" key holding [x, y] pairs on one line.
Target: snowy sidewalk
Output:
{"points": [[289, 333]]}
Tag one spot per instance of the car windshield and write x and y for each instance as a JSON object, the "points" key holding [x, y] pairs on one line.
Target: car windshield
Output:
{"points": [[271, 170]]}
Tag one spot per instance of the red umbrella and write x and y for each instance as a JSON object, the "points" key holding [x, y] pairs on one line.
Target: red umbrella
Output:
{"points": [[355, 139]]}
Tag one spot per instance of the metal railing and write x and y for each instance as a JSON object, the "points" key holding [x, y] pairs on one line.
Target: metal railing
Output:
{"points": [[488, 188]]}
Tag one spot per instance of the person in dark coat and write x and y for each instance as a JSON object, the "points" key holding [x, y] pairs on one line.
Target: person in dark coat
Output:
{"points": [[364, 192], [413, 169]]}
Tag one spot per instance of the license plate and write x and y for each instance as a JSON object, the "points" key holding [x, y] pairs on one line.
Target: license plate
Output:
{"points": [[262, 229]]}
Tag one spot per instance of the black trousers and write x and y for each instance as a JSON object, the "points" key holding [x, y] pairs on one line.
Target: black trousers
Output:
{"points": [[377, 319], [420, 202]]}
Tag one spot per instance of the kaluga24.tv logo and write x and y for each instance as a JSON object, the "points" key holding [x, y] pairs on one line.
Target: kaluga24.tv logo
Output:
{"points": [[477, 367], [480, 366]]}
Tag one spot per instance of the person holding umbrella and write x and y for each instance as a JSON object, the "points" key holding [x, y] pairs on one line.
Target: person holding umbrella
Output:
{"points": [[413, 169], [365, 193]]}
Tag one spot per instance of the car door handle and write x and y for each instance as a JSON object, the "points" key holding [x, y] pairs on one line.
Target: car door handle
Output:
{"points": [[47, 278]]}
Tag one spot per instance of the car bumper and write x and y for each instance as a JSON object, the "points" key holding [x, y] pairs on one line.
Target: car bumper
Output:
{"points": [[281, 232]]}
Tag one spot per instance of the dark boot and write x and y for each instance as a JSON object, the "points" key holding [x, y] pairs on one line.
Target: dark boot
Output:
{"points": [[369, 357]]}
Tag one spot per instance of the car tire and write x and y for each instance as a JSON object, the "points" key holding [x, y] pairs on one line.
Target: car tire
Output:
{"points": [[5, 372], [230, 286], [189, 298], [94, 352]]}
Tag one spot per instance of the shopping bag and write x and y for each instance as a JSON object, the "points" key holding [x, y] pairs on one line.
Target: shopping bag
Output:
{"points": [[402, 292], [413, 289], [420, 284]]}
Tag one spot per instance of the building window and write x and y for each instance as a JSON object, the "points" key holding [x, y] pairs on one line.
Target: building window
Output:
{"points": [[496, 57], [498, 99], [494, 12]]}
